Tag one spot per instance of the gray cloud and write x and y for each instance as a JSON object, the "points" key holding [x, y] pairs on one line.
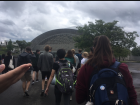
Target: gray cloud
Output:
{"points": [[7, 22], [12, 7], [27, 19]]}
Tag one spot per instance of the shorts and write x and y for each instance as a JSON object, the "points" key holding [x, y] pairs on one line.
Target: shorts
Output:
{"points": [[45, 73], [26, 77], [35, 68]]}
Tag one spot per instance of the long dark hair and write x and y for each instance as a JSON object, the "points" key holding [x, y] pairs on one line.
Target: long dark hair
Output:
{"points": [[91, 52], [70, 55], [102, 48]]}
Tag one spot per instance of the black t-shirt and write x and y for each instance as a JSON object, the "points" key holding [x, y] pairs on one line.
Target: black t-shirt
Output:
{"points": [[56, 66], [7, 60]]}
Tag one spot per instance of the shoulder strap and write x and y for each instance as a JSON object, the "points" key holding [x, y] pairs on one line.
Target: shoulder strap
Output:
{"points": [[115, 66]]}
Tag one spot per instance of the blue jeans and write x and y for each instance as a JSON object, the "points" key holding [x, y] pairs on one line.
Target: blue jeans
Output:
{"points": [[58, 95]]}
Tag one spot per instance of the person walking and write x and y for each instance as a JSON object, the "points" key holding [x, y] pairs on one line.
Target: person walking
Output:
{"points": [[25, 58], [100, 62], [56, 67], [70, 57], [3, 56], [79, 55], [76, 59], [85, 58], [35, 68], [45, 63], [7, 62], [50, 51]]}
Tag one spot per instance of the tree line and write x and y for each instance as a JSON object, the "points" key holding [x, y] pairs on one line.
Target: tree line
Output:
{"points": [[121, 41], [21, 44]]}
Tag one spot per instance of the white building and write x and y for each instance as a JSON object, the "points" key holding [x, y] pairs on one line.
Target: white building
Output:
{"points": [[16, 47], [5, 43]]}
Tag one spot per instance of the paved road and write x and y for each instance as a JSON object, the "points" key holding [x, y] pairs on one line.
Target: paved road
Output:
{"points": [[14, 94]]}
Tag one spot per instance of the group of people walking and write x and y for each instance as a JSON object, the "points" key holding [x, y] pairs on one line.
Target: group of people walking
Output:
{"points": [[101, 80]]}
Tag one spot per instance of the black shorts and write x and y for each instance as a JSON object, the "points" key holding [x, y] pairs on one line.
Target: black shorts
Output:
{"points": [[35, 68], [45, 73]]}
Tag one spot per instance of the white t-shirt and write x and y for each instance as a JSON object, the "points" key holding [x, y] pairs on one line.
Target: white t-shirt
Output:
{"points": [[84, 60], [77, 60]]}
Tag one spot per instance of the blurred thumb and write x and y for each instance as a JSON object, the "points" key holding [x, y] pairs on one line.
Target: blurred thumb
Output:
{"points": [[2, 67]]}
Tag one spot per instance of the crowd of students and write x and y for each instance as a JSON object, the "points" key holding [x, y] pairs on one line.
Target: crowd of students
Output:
{"points": [[86, 64]]}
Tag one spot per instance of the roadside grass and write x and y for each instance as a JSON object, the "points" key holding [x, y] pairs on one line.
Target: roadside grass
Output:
{"points": [[3, 50], [130, 61]]}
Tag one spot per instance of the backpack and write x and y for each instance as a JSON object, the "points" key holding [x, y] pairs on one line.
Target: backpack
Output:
{"points": [[23, 60], [107, 87], [64, 78], [79, 57]]}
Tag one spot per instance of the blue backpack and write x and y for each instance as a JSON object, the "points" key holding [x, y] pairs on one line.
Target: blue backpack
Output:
{"points": [[107, 87]]}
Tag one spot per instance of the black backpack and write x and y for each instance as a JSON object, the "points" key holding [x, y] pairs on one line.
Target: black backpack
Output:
{"points": [[23, 60], [64, 78]]}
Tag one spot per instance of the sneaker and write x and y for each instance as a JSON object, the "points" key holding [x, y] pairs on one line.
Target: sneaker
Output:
{"points": [[32, 82], [42, 93], [37, 80], [70, 98], [26, 94]]}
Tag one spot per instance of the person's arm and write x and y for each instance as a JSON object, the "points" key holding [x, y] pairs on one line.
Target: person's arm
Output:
{"points": [[11, 77], [50, 79], [81, 89], [82, 62], [123, 68], [32, 55], [77, 61]]}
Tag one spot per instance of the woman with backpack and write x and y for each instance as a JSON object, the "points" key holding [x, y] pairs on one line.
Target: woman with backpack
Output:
{"points": [[103, 60], [70, 57]]}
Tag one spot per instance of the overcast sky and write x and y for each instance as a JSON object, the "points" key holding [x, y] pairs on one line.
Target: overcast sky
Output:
{"points": [[27, 19]]}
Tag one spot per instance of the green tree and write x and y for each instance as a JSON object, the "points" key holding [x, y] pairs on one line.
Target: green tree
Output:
{"points": [[118, 37], [23, 44], [10, 46], [136, 51]]}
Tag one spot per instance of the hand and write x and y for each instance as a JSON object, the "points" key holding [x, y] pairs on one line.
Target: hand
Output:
{"points": [[2, 67], [11, 77], [46, 91]]}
